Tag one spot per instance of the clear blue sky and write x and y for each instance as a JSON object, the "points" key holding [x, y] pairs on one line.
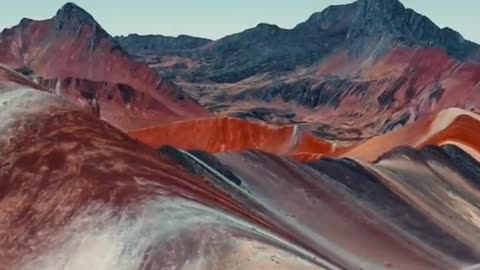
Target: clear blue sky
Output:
{"points": [[217, 18]]}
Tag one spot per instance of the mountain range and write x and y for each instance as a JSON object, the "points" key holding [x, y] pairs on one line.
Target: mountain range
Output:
{"points": [[395, 62], [349, 142], [74, 55], [226, 193]]}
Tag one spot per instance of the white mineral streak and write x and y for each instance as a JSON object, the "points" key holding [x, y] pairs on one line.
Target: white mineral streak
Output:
{"points": [[179, 234]]}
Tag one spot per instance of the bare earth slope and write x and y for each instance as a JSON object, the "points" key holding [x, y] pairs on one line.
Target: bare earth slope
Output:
{"points": [[77, 192]]}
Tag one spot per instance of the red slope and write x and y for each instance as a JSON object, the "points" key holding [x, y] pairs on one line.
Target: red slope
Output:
{"points": [[230, 134], [116, 103], [462, 132], [374, 92], [57, 161], [405, 83], [72, 44], [451, 126], [216, 135], [436, 81]]}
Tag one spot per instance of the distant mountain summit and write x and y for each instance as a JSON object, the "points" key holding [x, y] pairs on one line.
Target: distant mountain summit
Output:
{"points": [[72, 14], [389, 23], [366, 27], [70, 19], [369, 65]]}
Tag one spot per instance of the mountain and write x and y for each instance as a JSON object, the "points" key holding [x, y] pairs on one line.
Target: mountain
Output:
{"points": [[361, 27], [159, 43], [72, 46], [393, 61], [231, 134], [226, 193], [351, 71], [77, 192], [380, 24]]}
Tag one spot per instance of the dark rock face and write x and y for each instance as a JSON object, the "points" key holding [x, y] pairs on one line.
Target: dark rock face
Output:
{"points": [[389, 23], [268, 115], [308, 92], [26, 71], [469, 167], [394, 124], [365, 27], [160, 44], [267, 48], [71, 20], [334, 19], [71, 13]]}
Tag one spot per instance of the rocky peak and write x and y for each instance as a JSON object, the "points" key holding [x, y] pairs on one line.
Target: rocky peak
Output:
{"points": [[70, 13], [380, 24], [381, 17], [267, 28], [374, 26], [333, 18], [25, 21], [263, 32], [380, 7], [75, 22]]}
